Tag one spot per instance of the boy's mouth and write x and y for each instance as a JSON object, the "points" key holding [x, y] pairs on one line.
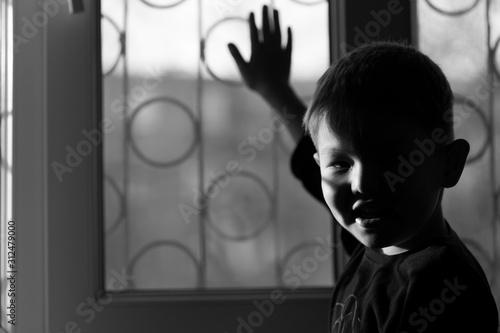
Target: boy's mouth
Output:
{"points": [[369, 214]]}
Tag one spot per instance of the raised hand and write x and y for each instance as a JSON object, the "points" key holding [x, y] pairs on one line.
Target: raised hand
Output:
{"points": [[269, 64], [268, 70]]}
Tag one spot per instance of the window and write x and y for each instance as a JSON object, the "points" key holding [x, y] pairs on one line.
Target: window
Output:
{"points": [[463, 38], [182, 127]]}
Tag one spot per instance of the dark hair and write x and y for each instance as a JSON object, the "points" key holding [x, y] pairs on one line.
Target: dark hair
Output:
{"points": [[386, 78]]}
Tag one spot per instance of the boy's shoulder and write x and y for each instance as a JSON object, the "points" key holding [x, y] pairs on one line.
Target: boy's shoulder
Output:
{"points": [[426, 270], [437, 287], [447, 254], [446, 280], [431, 260], [441, 285]]}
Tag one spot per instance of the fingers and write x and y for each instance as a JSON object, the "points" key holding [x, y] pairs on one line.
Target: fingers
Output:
{"points": [[270, 33], [254, 33], [277, 30], [266, 30], [288, 50], [240, 62], [289, 41]]}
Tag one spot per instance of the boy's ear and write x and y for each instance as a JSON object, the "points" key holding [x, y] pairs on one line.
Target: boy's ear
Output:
{"points": [[456, 154], [316, 158]]}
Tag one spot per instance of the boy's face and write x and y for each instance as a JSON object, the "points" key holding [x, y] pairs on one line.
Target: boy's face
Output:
{"points": [[361, 186]]}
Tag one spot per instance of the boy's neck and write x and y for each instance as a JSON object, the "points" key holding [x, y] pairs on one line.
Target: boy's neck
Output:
{"points": [[435, 227]]}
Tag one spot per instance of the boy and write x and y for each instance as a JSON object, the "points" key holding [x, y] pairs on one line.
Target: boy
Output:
{"points": [[381, 127]]}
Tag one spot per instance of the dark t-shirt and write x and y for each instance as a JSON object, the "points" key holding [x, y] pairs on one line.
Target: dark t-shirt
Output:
{"points": [[437, 287]]}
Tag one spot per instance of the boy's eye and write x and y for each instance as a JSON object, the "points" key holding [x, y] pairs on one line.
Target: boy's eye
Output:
{"points": [[340, 165]]}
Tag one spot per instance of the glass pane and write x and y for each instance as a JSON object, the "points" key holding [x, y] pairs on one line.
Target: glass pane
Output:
{"points": [[455, 35], [182, 128]]}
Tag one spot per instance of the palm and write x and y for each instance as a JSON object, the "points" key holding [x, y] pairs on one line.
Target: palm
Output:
{"points": [[269, 65]]}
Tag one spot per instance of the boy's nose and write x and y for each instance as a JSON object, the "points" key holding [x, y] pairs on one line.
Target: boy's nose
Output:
{"points": [[365, 180]]}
